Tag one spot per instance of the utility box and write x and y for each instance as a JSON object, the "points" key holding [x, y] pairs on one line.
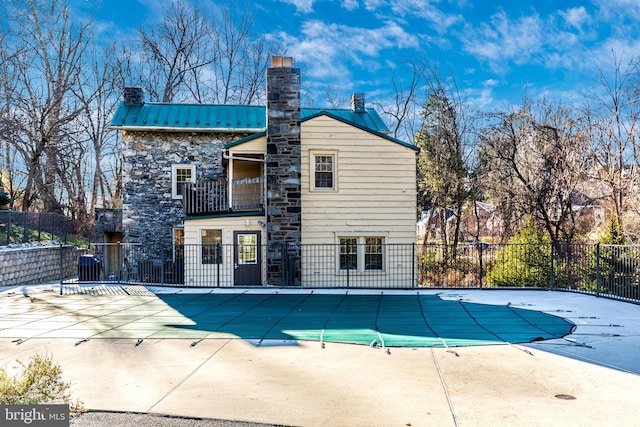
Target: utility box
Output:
{"points": [[89, 268]]}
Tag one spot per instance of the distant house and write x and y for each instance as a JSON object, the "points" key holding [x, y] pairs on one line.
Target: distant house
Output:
{"points": [[266, 195], [480, 222], [590, 205]]}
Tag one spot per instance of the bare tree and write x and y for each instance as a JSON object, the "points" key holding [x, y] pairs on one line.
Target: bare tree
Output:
{"points": [[46, 64], [613, 123], [402, 110], [175, 53], [192, 56], [535, 157], [101, 94], [12, 171], [334, 100], [6, 91], [241, 59]]}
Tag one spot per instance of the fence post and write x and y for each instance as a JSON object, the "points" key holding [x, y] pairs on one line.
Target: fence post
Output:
{"points": [[348, 262], [61, 268], [553, 282], [9, 227], [118, 260], [284, 276], [24, 226], [414, 261], [480, 249], [218, 262], [597, 269]]}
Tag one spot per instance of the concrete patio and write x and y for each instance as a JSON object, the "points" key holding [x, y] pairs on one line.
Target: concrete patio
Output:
{"points": [[589, 378]]}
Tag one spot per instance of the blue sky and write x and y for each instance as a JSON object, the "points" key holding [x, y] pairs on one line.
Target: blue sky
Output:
{"points": [[496, 50]]}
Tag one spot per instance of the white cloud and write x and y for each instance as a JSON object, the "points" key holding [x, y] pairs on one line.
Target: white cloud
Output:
{"points": [[350, 4], [613, 10], [482, 99], [326, 49], [624, 50], [427, 10], [372, 5], [576, 17], [302, 6], [504, 40]]}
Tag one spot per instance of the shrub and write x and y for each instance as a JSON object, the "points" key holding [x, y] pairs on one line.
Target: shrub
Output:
{"points": [[612, 234], [525, 261], [39, 382]]}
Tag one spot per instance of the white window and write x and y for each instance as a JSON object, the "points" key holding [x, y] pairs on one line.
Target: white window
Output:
{"points": [[361, 253], [324, 171], [180, 175]]}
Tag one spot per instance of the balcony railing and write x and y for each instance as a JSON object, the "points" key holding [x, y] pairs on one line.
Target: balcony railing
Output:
{"points": [[212, 197]]}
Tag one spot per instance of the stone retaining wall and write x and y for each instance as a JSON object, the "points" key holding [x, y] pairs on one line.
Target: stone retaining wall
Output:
{"points": [[24, 266]]}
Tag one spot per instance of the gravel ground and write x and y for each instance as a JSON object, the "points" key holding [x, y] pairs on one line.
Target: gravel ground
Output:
{"points": [[131, 419]]}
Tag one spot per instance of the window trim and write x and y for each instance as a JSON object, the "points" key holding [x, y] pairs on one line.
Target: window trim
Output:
{"points": [[174, 178], [312, 170]]}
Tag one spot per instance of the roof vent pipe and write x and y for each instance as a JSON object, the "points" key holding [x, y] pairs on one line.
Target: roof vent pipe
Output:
{"points": [[133, 95]]}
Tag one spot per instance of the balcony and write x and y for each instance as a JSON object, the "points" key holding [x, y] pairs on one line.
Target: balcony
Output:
{"points": [[216, 197]]}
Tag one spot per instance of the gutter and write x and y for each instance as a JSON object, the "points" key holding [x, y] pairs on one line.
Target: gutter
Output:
{"points": [[227, 156]]}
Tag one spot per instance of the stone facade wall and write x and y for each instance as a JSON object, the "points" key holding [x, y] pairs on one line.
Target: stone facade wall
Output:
{"points": [[283, 163], [23, 266], [149, 212]]}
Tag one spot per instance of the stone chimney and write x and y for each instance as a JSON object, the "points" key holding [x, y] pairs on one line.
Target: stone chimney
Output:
{"points": [[283, 163], [133, 96], [357, 102]]}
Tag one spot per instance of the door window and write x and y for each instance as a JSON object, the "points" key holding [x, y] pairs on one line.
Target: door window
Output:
{"points": [[247, 249]]}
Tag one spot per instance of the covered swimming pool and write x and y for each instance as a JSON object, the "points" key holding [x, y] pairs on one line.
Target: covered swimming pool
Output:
{"points": [[375, 318]]}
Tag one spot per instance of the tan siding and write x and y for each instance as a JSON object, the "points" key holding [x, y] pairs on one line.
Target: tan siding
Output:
{"points": [[376, 196], [375, 180], [257, 146], [198, 274]]}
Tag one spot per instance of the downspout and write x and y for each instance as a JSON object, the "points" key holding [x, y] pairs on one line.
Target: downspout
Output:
{"points": [[230, 185]]}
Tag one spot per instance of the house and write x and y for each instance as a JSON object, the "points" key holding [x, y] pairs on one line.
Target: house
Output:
{"points": [[268, 195], [480, 222]]}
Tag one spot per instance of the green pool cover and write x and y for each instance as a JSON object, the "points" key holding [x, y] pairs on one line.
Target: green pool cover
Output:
{"points": [[385, 320]]}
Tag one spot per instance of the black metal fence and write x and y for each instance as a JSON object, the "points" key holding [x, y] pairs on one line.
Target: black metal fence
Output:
{"points": [[603, 270], [391, 266], [607, 270], [24, 227]]}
